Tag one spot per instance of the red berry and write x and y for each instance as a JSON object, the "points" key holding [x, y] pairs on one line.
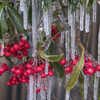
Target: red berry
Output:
{"points": [[43, 75], [55, 39], [28, 71], [37, 90], [25, 53], [16, 47], [26, 45], [13, 70], [28, 65], [51, 73], [39, 69], [42, 66], [2, 70], [68, 69], [24, 81], [8, 54], [13, 82], [15, 54], [63, 62], [9, 83], [53, 28], [98, 68], [21, 43], [7, 47], [74, 62], [85, 71], [25, 74], [12, 49], [90, 71], [89, 64], [58, 35], [22, 39], [18, 72], [19, 56]]}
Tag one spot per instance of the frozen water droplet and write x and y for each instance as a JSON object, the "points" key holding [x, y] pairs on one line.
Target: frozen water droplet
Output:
{"points": [[69, 15], [87, 22], [81, 18], [94, 10]]}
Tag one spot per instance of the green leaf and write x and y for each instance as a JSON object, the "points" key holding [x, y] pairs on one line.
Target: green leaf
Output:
{"points": [[82, 2], [43, 35], [46, 5], [3, 22], [51, 58], [51, 50], [75, 74], [39, 44], [9, 59], [59, 68], [16, 18], [58, 27], [55, 14]]}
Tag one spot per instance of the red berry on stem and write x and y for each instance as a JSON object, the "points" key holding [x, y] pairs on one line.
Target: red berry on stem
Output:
{"points": [[18, 72], [28, 65], [39, 69], [89, 64], [8, 54], [43, 75], [25, 53], [26, 45], [21, 43], [63, 62], [12, 49], [19, 56], [98, 68], [2, 70], [28, 71], [9, 83], [90, 71], [74, 62], [16, 47], [51, 73], [68, 69]]}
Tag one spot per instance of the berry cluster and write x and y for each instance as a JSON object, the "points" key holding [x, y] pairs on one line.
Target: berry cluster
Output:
{"points": [[53, 32], [17, 49], [22, 72], [3, 68]]}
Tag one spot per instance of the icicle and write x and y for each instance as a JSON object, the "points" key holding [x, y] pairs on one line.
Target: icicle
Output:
{"points": [[69, 16], [49, 89], [38, 80], [99, 47], [87, 22], [46, 67], [22, 5], [77, 13], [60, 81], [67, 45], [25, 14], [42, 90], [65, 2], [67, 93], [94, 10], [62, 37], [47, 21], [34, 28], [34, 94], [73, 36], [81, 18], [96, 83], [31, 87], [86, 80]]}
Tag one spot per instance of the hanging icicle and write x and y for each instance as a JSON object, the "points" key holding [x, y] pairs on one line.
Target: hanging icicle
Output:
{"points": [[77, 13], [49, 88], [34, 28], [87, 22], [34, 88], [86, 80], [81, 18], [99, 47], [62, 37], [69, 16], [22, 5], [25, 14], [46, 67], [47, 21], [38, 81], [67, 93], [96, 83], [1, 48], [94, 10], [73, 36], [31, 87], [67, 45], [65, 2]]}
